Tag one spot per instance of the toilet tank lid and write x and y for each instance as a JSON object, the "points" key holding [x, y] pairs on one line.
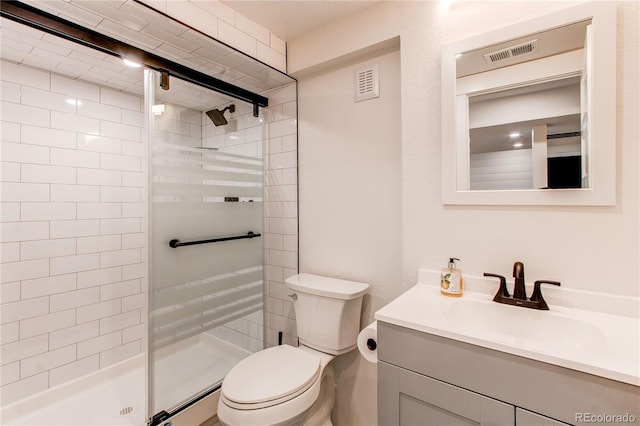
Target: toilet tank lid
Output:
{"points": [[327, 286]]}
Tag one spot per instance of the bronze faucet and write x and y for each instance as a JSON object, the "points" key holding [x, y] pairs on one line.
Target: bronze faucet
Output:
{"points": [[519, 291]]}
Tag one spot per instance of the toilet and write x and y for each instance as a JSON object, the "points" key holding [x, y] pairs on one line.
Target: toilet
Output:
{"points": [[286, 385]]}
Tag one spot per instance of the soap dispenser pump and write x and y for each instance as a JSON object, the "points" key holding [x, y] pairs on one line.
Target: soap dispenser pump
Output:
{"points": [[451, 279]]}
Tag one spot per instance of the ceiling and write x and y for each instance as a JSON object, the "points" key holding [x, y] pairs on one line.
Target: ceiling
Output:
{"points": [[292, 18]]}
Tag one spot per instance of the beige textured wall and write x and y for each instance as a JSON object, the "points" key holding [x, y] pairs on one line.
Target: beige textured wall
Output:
{"points": [[350, 196], [580, 246], [587, 248]]}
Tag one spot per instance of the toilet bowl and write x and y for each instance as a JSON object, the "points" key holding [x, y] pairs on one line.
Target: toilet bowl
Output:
{"points": [[286, 385], [281, 385]]}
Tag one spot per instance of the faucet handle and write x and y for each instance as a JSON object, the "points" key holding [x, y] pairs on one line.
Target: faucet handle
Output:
{"points": [[537, 293], [502, 291]]}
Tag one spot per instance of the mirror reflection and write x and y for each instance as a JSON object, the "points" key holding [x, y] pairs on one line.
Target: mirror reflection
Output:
{"points": [[525, 104]]}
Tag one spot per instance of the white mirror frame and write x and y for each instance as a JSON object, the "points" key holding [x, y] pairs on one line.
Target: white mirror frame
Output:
{"points": [[602, 130]]}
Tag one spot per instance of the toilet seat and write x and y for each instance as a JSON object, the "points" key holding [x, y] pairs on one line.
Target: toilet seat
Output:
{"points": [[270, 377]]}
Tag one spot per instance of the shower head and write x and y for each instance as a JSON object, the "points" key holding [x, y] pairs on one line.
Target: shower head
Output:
{"points": [[217, 116]]}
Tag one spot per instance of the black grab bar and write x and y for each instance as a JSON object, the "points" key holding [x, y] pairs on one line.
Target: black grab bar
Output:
{"points": [[176, 243]]}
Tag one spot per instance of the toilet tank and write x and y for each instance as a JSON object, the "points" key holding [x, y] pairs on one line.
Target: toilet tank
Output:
{"points": [[327, 311]]}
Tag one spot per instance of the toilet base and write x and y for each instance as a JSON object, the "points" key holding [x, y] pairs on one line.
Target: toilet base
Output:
{"points": [[320, 412]]}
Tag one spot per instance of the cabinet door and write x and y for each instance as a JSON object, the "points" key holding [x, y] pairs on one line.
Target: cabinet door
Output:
{"points": [[528, 418], [406, 398]]}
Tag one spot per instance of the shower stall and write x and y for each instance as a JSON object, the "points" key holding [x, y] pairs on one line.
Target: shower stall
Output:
{"points": [[206, 248], [139, 210]]}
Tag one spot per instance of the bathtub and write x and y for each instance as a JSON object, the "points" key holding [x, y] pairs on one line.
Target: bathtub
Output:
{"points": [[115, 396], [112, 396]]}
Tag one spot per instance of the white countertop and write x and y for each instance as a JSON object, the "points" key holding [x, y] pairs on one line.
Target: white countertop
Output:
{"points": [[598, 343]]}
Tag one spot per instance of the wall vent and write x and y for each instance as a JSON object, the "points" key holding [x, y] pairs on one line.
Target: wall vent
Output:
{"points": [[367, 83], [511, 52]]}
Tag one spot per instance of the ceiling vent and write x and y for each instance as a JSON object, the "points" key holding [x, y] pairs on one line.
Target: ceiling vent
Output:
{"points": [[512, 52], [367, 83]]}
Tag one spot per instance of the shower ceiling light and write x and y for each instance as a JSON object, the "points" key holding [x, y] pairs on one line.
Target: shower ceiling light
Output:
{"points": [[514, 135], [132, 64]]}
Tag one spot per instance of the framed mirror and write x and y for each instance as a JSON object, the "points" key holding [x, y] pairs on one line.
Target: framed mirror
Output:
{"points": [[529, 112]]}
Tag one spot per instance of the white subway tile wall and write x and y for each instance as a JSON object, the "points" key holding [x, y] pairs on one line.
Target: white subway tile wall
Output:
{"points": [[73, 282], [281, 213], [72, 236], [141, 27], [219, 21]]}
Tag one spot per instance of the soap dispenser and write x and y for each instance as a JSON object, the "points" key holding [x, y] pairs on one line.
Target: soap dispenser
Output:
{"points": [[451, 279]]}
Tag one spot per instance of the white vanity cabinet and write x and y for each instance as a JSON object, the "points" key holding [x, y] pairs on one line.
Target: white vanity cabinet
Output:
{"points": [[424, 379]]}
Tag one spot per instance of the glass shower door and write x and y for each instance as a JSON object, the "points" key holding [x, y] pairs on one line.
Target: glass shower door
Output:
{"points": [[206, 249]]}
